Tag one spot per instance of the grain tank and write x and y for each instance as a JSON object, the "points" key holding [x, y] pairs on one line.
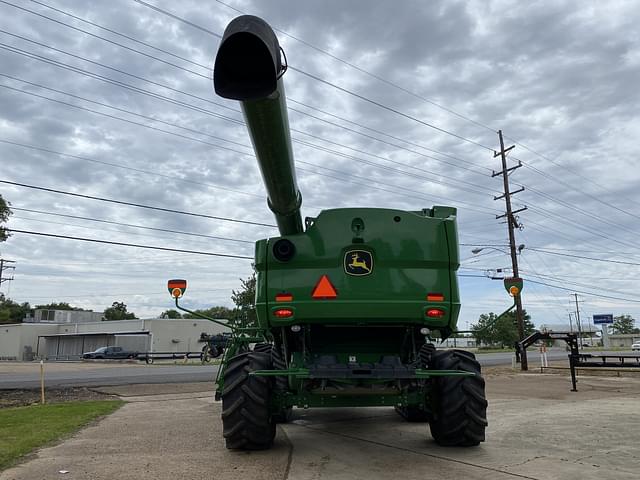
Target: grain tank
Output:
{"points": [[348, 303]]}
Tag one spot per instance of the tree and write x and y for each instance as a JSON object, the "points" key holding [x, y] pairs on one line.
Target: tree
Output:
{"points": [[503, 331], [12, 312], [213, 312], [118, 311], [623, 324], [245, 300], [5, 212], [172, 313], [60, 306]]}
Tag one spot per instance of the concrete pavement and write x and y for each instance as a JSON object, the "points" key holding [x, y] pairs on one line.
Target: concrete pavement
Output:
{"points": [[538, 429]]}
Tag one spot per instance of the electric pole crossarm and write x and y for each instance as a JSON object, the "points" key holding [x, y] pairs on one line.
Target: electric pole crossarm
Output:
{"points": [[504, 150], [4, 267], [512, 193], [512, 213], [507, 170]]}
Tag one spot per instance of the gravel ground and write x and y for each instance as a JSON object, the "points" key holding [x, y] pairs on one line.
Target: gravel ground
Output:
{"points": [[21, 397]]}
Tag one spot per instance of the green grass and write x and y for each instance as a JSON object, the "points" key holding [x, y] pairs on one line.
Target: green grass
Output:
{"points": [[23, 429]]}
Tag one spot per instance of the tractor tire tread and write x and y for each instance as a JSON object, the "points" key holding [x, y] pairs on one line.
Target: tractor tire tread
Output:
{"points": [[459, 403], [246, 418]]}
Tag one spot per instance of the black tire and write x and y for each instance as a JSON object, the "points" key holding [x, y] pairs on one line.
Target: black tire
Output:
{"points": [[262, 347], [246, 419], [281, 385], [218, 351], [205, 355], [459, 403]]}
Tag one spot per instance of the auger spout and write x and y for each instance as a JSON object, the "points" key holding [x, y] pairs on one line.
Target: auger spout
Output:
{"points": [[248, 68]]}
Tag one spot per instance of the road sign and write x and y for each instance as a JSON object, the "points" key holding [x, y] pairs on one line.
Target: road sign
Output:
{"points": [[602, 319]]}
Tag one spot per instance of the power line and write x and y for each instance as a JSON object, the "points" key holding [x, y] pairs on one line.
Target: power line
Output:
{"points": [[131, 225], [326, 82], [119, 83], [582, 211], [124, 110], [549, 252], [126, 167], [583, 292], [311, 145], [418, 96], [136, 50], [140, 42], [293, 68], [132, 122], [105, 39], [379, 132], [227, 118], [93, 240], [139, 205], [528, 279], [219, 146], [175, 17]]}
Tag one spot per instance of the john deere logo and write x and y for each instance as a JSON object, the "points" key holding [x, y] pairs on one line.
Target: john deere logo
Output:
{"points": [[358, 262]]}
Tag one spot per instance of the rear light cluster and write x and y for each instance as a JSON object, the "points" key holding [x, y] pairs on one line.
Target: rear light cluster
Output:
{"points": [[435, 313], [283, 313]]}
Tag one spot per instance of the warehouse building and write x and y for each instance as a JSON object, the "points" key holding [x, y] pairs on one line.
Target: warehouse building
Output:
{"points": [[67, 341]]}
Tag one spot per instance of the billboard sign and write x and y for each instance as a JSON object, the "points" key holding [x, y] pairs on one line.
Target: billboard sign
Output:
{"points": [[602, 319]]}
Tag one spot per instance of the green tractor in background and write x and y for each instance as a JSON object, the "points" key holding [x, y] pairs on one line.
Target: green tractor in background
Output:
{"points": [[348, 302]]}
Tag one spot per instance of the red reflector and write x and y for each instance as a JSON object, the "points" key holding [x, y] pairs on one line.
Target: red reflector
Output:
{"points": [[435, 297], [324, 289], [283, 313], [435, 313], [284, 297]]}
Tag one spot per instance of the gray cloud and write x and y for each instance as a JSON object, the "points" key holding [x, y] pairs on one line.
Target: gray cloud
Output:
{"points": [[560, 78]]}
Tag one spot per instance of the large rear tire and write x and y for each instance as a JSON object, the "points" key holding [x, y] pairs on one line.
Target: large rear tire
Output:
{"points": [[459, 403], [246, 419]]}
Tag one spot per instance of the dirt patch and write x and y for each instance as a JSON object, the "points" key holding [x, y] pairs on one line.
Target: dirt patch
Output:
{"points": [[22, 397]]}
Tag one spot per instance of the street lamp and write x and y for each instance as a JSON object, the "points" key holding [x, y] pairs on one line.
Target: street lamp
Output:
{"points": [[476, 251]]}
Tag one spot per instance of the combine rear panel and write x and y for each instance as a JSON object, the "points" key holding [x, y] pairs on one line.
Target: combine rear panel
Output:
{"points": [[348, 303]]}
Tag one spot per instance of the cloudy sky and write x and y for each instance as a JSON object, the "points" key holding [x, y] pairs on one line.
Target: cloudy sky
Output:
{"points": [[114, 100]]}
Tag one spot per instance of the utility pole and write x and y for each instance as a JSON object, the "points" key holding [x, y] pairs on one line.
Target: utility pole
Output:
{"points": [[4, 267], [570, 323], [512, 224], [578, 321]]}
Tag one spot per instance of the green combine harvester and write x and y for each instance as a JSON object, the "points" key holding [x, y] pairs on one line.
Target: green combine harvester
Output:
{"points": [[348, 303]]}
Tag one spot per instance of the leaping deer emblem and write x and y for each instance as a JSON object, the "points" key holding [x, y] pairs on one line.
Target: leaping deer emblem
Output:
{"points": [[356, 262]]}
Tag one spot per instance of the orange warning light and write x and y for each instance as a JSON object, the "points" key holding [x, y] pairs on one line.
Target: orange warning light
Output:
{"points": [[284, 297], [324, 289]]}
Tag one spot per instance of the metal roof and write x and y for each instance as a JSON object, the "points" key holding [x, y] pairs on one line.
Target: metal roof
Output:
{"points": [[86, 334]]}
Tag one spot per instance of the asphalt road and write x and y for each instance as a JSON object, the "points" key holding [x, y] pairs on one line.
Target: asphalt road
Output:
{"points": [[121, 374], [27, 375]]}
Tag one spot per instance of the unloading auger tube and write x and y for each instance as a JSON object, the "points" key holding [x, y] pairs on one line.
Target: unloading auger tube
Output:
{"points": [[248, 68]]}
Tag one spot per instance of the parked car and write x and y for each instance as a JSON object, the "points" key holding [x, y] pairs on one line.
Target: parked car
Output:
{"points": [[110, 353], [635, 346]]}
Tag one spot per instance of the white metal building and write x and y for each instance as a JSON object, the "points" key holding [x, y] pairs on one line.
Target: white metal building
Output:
{"points": [[67, 341]]}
